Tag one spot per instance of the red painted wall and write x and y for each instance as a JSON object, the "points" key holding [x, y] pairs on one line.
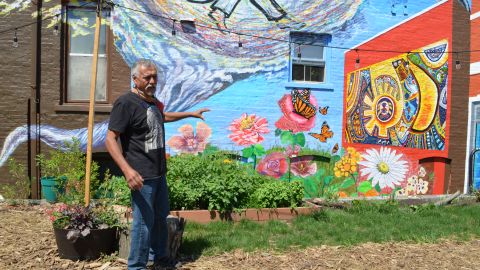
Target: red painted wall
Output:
{"points": [[425, 29], [475, 45]]}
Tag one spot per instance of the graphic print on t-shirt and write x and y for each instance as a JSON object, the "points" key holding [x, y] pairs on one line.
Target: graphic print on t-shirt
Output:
{"points": [[154, 137]]}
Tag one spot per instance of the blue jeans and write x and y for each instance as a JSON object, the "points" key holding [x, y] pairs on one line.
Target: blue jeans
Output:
{"points": [[149, 228]]}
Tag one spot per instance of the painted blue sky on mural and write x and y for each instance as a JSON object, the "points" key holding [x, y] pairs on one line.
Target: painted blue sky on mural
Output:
{"points": [[208, 69], [373, 16]]}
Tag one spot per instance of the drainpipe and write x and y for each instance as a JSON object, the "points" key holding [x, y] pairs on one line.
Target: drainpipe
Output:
{"points": [[37, 48]]}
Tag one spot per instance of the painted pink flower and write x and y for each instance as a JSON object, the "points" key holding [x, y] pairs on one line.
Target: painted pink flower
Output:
{"points": [[247, 129], [189, 142], [274, 165], [291, 120], [292, 152], [303, 168]]}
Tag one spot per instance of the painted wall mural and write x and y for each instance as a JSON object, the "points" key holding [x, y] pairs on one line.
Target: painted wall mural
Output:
{"points": [[400, 101], [294, 133]]}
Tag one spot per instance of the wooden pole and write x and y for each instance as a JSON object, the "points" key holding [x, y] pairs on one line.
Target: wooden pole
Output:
{"points": [[91, 109]]}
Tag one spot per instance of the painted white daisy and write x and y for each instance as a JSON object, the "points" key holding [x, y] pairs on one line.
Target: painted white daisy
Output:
{"points": [[384, 167]]}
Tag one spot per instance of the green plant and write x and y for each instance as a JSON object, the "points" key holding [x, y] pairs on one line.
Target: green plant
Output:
{"points": [[273, 194], [216, 182], [20, 188], [80, 219], [475, 192], [70, 164], [114, 190]]}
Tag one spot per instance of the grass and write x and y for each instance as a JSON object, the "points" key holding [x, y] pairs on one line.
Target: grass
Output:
{"points": [[360, 224]]}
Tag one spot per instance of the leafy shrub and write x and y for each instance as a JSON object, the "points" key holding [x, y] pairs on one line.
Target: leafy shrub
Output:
{"points": [[20, 189], [215, 182], [71, 164], [80, 220], [114, 190], [272, 194]]}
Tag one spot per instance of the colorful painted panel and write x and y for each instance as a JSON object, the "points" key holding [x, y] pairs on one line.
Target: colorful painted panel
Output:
{"points": [[401, 101]]}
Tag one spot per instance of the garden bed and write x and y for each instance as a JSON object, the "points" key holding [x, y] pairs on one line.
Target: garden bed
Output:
{"points": [[260, 215]]}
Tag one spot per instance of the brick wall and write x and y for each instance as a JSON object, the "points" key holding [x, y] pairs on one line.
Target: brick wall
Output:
{"points": [[459, 98], [17, 72]]}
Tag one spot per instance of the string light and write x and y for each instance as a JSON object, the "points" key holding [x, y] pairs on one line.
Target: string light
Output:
{"points": [[407, 64], [15, 39], [173, 28], [458, 65], [270, 38], [240, 45], [55, 27], [112, 4], [357, 61]]}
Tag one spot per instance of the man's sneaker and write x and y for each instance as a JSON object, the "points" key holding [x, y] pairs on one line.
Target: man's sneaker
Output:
{"points": [[167, 264]]}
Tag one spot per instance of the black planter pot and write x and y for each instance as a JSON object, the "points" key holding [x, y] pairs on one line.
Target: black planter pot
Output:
{"points": [[100, 241]]}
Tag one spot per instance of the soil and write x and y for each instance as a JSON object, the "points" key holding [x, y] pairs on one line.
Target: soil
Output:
{"points": [[27, 242]]}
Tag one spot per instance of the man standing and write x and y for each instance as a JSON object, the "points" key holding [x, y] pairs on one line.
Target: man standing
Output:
{"points": [[137, 118]]}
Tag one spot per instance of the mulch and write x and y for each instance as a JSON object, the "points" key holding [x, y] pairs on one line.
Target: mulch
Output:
{"points": [[27, 242]]}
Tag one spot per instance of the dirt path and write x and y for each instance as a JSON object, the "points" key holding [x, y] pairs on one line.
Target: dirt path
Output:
{"points": [[27, 242]]}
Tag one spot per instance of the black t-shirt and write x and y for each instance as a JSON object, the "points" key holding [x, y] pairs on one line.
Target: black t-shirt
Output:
{"points": [[142, 133]]}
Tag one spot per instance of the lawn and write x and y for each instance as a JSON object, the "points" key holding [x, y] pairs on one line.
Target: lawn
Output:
{"points": [[378, 223]]}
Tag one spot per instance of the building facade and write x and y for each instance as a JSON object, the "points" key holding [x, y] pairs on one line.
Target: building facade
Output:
{"points": [[359, 98]]}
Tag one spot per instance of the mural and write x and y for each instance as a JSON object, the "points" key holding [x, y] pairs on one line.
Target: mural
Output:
{"points": [[401, 101], [289, 133]]}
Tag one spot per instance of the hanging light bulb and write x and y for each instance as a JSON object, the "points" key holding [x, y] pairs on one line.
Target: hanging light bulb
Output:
{"points": [[240, 45], [55, 27], [173, 28], [357, 61], [458, 65], [407, 63], [15, 39]]}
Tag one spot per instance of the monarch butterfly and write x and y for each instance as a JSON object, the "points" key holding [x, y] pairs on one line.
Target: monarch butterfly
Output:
{"points": [[301, 103], [324, 134], [335, 148], [323, 110]]}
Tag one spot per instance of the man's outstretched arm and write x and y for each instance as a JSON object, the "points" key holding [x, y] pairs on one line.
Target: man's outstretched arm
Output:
{"points": [[175, 116]]}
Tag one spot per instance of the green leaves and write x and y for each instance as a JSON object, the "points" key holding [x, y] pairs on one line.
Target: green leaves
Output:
{"points": [[347, 183], [287, 137], [254, 150], [217, 183], [247, 152], [258, 150], [328, 179], [365, 186], [377, 188]]}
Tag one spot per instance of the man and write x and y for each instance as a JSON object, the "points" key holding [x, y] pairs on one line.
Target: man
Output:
{"points": [[137, 118]]}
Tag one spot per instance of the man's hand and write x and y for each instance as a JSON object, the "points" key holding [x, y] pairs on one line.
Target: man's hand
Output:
{"points": [[199, 113], [134, 179]]}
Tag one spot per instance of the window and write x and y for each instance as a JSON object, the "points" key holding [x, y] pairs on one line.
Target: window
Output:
{"points": [[80, 31], [308, 57]]}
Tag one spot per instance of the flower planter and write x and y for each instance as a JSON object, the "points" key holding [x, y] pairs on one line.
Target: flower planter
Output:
{"points": [[259, 215], [99, 241], [51, 187]]}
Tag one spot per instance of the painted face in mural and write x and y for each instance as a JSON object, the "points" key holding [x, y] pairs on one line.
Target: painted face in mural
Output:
{"points": [[146, 80]]}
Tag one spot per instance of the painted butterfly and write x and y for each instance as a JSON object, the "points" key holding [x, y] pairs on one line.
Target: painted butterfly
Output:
{"points": [[301, 103], [323, 110], [324, 134], [335, 148]]}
